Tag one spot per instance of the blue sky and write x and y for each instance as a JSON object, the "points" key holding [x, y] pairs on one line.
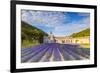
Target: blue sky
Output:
{"points": [[59, 23]]}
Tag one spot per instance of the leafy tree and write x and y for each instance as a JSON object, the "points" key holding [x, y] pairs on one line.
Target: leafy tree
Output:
{"points": [[31, 33]]}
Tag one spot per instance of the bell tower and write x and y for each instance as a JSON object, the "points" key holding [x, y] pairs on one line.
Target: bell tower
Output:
{"points": [[51, 38]]}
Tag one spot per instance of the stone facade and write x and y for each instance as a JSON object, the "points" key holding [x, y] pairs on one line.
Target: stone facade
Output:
{"points": [[66, 40], [49, 39]]}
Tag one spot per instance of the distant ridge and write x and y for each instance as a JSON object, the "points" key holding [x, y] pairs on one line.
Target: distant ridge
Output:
{"points": [[29, 32], [82, 33]]}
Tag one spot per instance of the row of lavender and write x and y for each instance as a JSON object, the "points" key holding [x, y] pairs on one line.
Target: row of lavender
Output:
{"points": [[54, 52]]}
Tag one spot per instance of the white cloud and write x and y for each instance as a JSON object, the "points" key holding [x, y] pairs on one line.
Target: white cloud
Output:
{"points": [[50, 19], [84, 14]]}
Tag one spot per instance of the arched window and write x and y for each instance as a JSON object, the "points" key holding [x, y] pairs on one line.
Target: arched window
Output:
{"points": [[71, 41], [76, 41], [63, 41]]}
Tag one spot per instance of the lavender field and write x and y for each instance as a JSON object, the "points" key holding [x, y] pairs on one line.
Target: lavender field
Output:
{"points": [[49, 36], [54, 52]]}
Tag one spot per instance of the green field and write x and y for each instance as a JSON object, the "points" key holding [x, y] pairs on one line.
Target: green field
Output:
{"points": [[27, 43]]}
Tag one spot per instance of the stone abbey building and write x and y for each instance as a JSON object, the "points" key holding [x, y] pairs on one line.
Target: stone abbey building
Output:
{"points": [[66, 40]]}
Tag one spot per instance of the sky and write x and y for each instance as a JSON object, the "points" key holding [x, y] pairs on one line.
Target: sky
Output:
{"points": [[59, 23]]}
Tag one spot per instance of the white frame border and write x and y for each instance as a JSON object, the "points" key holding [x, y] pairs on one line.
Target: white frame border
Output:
{"points": [[20, 65]]}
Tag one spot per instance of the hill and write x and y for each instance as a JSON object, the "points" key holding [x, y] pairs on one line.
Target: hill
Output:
{"points": [[31, 35], [82, 33]]}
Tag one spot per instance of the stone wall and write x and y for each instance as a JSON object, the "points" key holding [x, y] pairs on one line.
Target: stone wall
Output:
{"points": [[67, 40]]}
